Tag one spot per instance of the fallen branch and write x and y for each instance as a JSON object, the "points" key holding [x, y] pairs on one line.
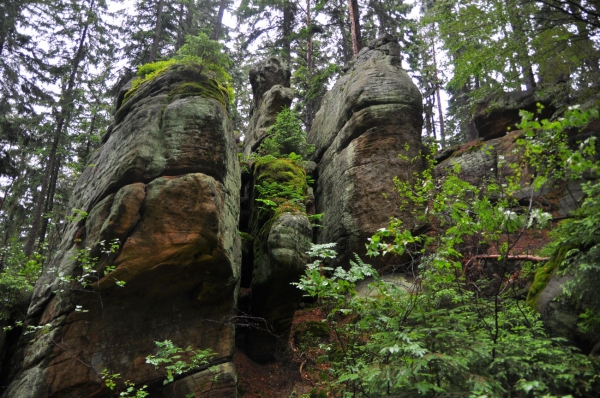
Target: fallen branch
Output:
{"points": [[517, 257]]}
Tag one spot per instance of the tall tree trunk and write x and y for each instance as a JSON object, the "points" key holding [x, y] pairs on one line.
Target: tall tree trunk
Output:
{"points": [[585, 44], [288, 17], [219, 22], [341, 20], [519, 35], [66, 107], [181, 32], [309, 66], [354, 26], [382, 16], [428, 109], [157, 32], [439, 98], [49, 205]]}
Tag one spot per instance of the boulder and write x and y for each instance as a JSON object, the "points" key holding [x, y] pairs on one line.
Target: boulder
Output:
{"points": [[371, 115], [165, 185], [484, 161]]}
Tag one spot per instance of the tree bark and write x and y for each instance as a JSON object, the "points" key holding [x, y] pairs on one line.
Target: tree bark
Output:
{"points": [[49, 205], [181, 32], [157, 32], [309, 66], [288, 16], [519, 35], [340, 18], [66, 107], [439, 98], [354, 26], [219, 22]]}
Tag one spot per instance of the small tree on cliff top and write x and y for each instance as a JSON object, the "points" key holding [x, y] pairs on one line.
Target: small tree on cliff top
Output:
{"points": [[286, 137]]}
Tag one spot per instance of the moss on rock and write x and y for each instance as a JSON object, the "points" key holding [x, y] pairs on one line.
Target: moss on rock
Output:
{"points": [[282, 183], [543, 276], [311, 334], [206, 89], [198, 84]]}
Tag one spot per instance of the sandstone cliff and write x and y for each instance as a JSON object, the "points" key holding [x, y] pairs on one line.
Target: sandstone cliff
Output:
{"points": [[165, 185]]}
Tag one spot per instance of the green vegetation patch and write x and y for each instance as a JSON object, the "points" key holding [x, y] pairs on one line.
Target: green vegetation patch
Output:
{"points": [[312, 333], [280, 187], [146, 73]]}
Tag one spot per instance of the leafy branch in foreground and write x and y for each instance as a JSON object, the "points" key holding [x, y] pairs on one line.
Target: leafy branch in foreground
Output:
{"points": [[172, 359]]}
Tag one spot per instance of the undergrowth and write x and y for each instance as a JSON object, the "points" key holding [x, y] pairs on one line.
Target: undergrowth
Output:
{"points": [[463, 328]]}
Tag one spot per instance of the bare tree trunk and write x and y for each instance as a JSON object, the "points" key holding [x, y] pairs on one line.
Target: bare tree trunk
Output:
{"points": [[309, 66], [219, 22], [157, 32], [49, 205], [181, 32], [288, 16], [346, 41], [439, 99], [518, 27], [66, 107], [354, 26]]}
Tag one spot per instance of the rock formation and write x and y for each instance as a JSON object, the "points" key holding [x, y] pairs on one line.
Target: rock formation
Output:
{"points": [[495, 115], [280, 233], [489, 161], [165, 184], [270, 80], [372, 114]]}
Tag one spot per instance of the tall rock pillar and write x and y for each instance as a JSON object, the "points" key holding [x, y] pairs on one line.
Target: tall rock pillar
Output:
{"points": [[165, 185], [371, 115]]}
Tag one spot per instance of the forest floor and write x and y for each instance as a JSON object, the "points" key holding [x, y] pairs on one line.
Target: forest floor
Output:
{"points": [[294, 374]]}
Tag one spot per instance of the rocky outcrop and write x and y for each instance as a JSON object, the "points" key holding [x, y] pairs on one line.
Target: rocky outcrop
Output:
{"points": [[484, 161], [497, 114], [270, 81], [371, 115], [164, 185]]}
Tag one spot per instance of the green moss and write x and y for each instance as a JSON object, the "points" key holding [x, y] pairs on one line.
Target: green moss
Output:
{"points": [[199, 86], [543, 275], [146, 73], [206, 89], [283, 182]]}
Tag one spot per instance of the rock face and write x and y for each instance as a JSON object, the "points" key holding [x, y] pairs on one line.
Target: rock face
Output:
{"points": [[270, 81], [281, 236], [165, 184], [495, 115], [371, 115], [274, 298]]}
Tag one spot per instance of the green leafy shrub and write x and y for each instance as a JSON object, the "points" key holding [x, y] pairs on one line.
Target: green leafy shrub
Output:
{"points": [[18, 275], [437, 339], [176, 360], [286, 137]]}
